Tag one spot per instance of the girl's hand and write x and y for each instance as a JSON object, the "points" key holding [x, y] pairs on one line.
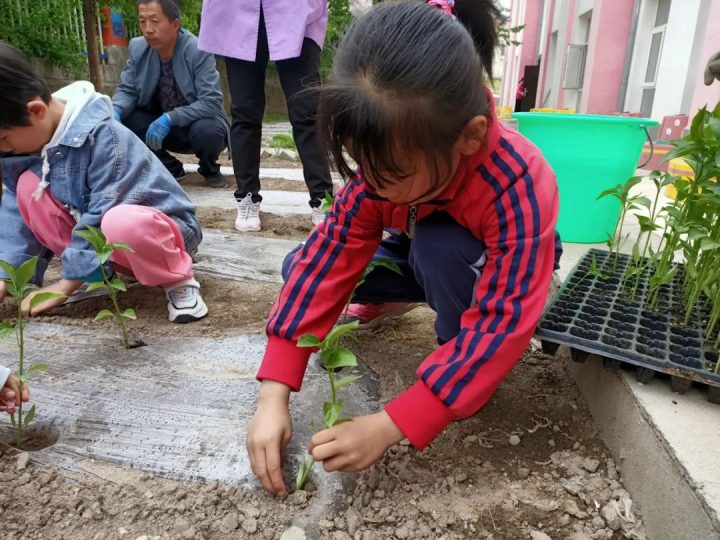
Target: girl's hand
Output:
{"points": [[3, 291], [10, 395], [269, 433], [64, 287], [355, 445]]}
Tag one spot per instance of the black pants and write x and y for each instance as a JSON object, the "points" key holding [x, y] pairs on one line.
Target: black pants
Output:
{"points": [[247, 89], [205, 138]]}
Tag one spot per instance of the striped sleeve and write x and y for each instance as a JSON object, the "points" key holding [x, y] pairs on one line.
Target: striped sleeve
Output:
{"points": [[319, 282], [460, 377]]}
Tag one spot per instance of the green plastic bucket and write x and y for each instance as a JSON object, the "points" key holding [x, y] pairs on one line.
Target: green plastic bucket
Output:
{"points": [[589, 154]]}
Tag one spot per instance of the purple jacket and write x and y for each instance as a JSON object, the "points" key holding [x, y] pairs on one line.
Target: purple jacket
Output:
{"points": [[230, 27]]}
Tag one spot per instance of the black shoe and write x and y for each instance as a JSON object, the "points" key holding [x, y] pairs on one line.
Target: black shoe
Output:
{"points": [[216, 180]]}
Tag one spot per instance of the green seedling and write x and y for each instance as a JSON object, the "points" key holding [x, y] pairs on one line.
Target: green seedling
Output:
{"points": [[19, 285], [112, 284], [282, 141], [594, 270], [334, 358], [628, 203]]}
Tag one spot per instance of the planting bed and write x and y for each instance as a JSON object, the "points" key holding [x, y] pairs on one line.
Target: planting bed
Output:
{"points": [[594, 314]]}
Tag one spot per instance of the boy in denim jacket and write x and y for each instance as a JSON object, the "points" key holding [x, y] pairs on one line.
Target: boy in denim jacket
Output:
{"points": [[75, 166]]}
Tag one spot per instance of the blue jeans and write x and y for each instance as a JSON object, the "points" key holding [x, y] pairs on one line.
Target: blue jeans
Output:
{"points": [[441, 265]]}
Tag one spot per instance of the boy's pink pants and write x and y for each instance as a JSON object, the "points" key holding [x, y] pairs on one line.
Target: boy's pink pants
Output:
{"points": [[159, 256]]}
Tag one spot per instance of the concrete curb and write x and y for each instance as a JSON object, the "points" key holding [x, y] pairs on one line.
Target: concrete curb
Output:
{"points": [[673, 503]]}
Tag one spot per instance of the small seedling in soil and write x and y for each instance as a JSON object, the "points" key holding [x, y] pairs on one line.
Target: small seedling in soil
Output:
{"points": [[19, 285], [112, 284], [594, 270], [334, 358]]}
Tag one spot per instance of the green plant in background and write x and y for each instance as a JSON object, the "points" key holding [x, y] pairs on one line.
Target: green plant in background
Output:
{"points": [[44, 30], [112, 284], [282, 141], [190, 11], [335, 357], [339, 19], [19, 285]]}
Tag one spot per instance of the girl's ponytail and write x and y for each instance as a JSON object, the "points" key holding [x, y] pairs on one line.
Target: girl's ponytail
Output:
{"points": [[481, 18]]}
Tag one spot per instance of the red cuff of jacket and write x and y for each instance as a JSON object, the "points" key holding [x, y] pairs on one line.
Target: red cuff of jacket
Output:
{"points": [[419, 414], [284, 362]]}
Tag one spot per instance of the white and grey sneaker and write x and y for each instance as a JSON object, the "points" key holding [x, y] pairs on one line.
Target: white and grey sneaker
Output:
{"points": [[248, 216], [184, 302], [317, 216]]}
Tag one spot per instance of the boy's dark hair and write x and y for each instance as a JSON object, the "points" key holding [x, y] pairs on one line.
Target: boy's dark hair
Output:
{"points": [[169, 8], [407, 78], [19, 85]]}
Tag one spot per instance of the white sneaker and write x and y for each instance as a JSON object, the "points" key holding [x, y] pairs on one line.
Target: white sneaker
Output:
{"points": [[248, 217], [317, 216], [184, 302]]}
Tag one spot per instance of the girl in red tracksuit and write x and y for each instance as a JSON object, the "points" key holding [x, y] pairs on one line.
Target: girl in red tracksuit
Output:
{"points": [[473, 206]]}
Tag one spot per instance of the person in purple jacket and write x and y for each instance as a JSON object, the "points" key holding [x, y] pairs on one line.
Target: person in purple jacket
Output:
{"points": [[248, 33]]}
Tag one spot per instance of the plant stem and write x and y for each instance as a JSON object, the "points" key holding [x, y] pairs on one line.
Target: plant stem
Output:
{"points": [[20, 333], [113, 298]]}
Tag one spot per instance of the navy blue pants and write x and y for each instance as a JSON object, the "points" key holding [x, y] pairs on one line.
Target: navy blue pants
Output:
{"points": [[441, 266]]}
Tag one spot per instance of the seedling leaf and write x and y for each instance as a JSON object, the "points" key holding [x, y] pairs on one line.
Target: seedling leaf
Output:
{"points": [[302, 474], [104, 254], [339, 331], [95, 286], [118, 284], [339, 358], [121, 245], [6, 329], [129, 313], [331, 412], [38, 367], [308, 340], [346, 380], [30, 416], [43, 297], [25, 273], [9, 269], [103, 314]]}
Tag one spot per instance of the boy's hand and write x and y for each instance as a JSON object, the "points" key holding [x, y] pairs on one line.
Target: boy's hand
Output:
{"points": [[268, 433], [355, 445], [3, 291], [65, 287], [10, 395]]}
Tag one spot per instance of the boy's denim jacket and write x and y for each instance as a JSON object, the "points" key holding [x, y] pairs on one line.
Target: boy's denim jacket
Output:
{"points": [[97, 165]]}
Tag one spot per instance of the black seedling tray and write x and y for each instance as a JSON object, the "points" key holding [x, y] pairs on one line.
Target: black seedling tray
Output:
{"points": [[594, 315]]}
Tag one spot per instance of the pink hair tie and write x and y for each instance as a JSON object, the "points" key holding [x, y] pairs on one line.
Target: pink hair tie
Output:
{"points": [[445, 5]]}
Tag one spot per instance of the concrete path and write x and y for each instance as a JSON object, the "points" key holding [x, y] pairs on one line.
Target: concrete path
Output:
{"points": [[295, 174], [282, 203]]}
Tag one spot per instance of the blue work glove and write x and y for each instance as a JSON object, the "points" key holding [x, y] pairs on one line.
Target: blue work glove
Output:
{"points": [[116, 115], [157, 131]]}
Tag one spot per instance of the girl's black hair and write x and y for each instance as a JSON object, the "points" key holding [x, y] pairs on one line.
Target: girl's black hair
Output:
{"points": [[407, 78], [19, 85]]}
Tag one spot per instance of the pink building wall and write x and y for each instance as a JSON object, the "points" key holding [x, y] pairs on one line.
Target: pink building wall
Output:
{"points": [[545, 51], [609, 36], [526, 51], [707, 95]]}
